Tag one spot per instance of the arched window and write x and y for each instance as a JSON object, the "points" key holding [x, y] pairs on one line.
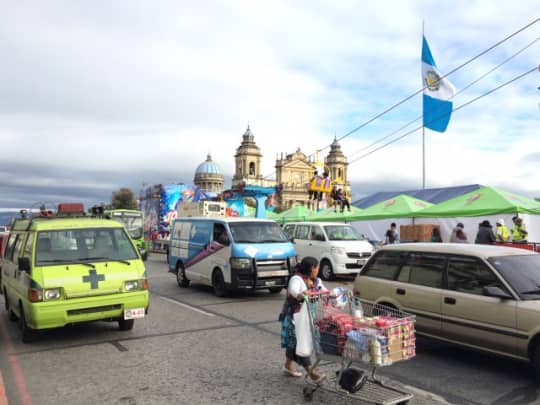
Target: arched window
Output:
{"points": [[251, 169], [340, 174]]}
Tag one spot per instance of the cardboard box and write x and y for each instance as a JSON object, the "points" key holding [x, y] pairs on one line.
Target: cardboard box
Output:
{"points": [[417, 232]]}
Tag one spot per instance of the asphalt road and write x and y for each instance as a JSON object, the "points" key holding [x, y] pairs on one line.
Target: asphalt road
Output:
{"points": [[195, 348]]}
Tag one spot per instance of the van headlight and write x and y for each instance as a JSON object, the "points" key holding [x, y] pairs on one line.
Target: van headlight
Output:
{"points": [[339, 251], [237, 263], [52, 294], [131, 285]]}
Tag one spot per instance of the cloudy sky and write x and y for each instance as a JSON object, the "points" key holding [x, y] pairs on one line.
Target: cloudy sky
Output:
{"points": [[97, 95]]}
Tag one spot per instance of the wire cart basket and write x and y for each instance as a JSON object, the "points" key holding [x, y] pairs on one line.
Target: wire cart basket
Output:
{"points": [[347, 331]]}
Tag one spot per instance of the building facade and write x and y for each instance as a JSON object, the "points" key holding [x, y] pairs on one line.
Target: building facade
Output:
{"points": [[248, 163], [294, 172], [208, 176]]}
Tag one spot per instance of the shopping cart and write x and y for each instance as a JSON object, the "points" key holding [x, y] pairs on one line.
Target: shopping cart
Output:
{"points": [[350, 332]]}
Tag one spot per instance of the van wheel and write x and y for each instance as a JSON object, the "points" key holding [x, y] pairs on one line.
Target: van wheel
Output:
{"points": [[181, 278], [126, 324], [27, 333], [11, 315], [327, 273], [218, 283], [275, 290]]}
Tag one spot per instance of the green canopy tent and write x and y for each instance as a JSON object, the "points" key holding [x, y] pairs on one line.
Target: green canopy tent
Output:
{"points": [[298, 213], [401, 206], [482, 202], [329, 215]]}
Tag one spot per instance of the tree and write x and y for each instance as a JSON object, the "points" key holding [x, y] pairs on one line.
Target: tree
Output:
{"points": [[124, 198]]}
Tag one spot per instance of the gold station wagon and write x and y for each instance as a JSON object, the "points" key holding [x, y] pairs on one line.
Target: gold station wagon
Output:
{"points": [[480, 296]]}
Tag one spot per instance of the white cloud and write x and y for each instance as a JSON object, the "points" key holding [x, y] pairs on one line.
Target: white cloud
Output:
{"points": [[126, 93]]}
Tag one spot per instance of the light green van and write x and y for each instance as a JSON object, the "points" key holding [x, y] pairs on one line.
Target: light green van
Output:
{"points": [[69, 268]]}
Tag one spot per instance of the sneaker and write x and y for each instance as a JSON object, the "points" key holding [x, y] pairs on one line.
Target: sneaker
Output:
{"points": [[290, 373]]}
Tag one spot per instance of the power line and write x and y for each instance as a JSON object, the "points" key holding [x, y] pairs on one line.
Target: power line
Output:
{"points": [[453, 110], [458, 92], [422, 89], [444, 76]]}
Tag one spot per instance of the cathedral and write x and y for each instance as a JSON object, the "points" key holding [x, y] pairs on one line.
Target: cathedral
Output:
{"points": [[294, 172]]}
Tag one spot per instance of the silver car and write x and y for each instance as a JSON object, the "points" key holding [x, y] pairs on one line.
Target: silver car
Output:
{"points": [[480, 296]]}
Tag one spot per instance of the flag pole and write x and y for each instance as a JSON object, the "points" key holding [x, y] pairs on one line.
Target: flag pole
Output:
{"points": [[423, 131]]}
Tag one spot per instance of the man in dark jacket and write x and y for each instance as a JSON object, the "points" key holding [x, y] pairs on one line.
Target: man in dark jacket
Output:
{"points": [[485, 235]]}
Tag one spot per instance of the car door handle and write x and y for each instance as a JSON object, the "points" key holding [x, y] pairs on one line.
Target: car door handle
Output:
{"points": [[450, 300], [400, 291]]}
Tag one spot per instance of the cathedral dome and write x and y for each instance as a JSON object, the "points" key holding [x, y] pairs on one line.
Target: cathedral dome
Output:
{"points": [[208, 167]]}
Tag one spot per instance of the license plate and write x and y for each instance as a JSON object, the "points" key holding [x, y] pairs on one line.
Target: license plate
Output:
{"points": [[270, 283], [134, 313], [361, 262]]}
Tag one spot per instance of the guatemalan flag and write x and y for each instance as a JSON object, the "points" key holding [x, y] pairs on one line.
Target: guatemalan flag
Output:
{"points": [[438, 93]]}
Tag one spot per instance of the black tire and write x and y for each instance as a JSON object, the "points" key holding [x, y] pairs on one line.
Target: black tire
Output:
{"points": [[11, 315], [27, 333], [181, 278], [327, 272], [275, 290], [535, 360], [126, 324], [218, 283]]}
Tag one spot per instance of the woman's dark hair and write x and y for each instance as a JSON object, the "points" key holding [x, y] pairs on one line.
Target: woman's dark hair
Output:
{"points": [[305, 266]]}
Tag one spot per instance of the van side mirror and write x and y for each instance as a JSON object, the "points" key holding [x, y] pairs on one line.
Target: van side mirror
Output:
{"points": [[291, 239], [497, 292], [24, 264]]}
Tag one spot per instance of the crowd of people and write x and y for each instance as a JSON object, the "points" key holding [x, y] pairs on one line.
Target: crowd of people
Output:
{"points": [[485, 234]]}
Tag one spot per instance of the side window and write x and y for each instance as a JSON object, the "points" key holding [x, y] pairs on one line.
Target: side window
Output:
{"points": [[10, 246], [317, 233], [302, 232], [220, 234], [200, 232], [182, 230], [17, 251], [423, 269], [470, 275], [289, 230], [384, 264], [28, 247]]}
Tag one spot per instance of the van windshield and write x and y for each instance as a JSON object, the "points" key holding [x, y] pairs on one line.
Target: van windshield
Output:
{"points": [[257, 232], [83, 245], [340, 232], [133, 222], [521, 272]]}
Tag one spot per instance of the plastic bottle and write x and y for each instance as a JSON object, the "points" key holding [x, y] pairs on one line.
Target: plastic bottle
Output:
{"points": [[375, 351], [358, 312]]}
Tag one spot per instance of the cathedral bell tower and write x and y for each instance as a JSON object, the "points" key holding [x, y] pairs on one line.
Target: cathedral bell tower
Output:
{"points": [[248, 161], [336, 162]]}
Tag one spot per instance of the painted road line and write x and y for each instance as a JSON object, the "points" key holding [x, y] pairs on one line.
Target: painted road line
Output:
{"points": [[186, 306], [16, 369], [3, 395]]}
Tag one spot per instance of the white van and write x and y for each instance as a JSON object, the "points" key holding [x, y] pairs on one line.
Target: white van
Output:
{"points": [[230, 253], [337, 246]]}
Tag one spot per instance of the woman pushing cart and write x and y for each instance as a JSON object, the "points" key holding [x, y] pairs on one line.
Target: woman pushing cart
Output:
{"points": [[352, 332]]}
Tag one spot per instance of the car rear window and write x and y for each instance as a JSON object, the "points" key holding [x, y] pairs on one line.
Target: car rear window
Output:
{"points": [[385, 264]]}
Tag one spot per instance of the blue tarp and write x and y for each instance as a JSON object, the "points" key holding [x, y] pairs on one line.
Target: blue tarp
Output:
{"points": [[432, 195]]}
